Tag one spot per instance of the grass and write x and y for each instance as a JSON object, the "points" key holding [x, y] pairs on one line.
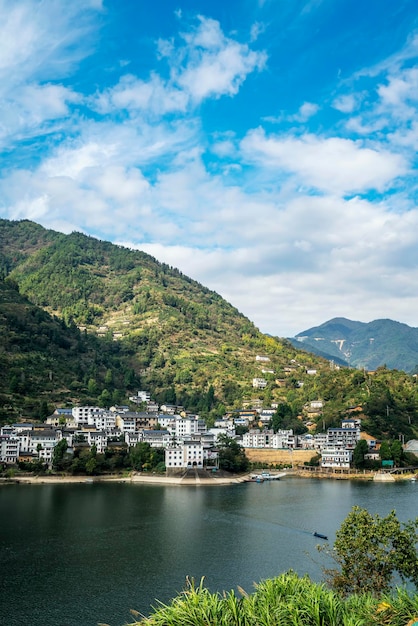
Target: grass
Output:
{"points": [[288, 600]]}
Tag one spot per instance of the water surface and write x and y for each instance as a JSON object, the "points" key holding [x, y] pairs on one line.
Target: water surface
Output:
{"points": [[76, 555]]}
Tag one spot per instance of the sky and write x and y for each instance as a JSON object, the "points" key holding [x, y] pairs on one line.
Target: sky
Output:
{"points": [[266, 148]]}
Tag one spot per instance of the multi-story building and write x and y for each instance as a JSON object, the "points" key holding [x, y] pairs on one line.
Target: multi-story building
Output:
{"points": [[268, 439], [343, 437], [157, 438], [81, 414], [336, 457], [43, 443], [188, 454], [9, 448]]}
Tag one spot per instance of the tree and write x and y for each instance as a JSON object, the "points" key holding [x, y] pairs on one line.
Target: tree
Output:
{"points": [[358, 453], [59, 452], [104, 398], [396, 452], [91, 465], [370, 550], [139, 455], [231, 456], [284, 418], [43, 410], [384, 452], [92, 386]]}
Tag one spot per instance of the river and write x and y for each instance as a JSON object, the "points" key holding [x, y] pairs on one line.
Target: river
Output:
{"points": [[76, 555]]}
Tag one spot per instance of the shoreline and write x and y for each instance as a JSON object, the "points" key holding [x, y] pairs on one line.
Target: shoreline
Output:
{"points": [[204, 481], [132, 479]]}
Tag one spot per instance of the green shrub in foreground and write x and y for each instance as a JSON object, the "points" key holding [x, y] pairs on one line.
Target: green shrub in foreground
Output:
{"points": [[287, 600]]}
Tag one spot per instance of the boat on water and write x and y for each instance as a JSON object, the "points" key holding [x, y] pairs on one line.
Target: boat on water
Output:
{"points": [[268, 476], [320, 536], [260, 478], [256, 478]]}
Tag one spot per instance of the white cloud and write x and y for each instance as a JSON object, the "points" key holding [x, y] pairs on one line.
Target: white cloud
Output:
{"points": [[256, 30], [261, 218], [306, 110], [154, 97], [347, 103], [212, 65], [399, 96], [34, 110], [38, 39], [206, 65], [41, 42], [334, 165], [346, 269]]}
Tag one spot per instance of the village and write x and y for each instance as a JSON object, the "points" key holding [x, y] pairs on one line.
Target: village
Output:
{"points": [[185, 438]]}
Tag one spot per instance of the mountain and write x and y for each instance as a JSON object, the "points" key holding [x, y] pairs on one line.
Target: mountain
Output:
{"points": [[363, 345], [114, 320], [85, 321]]}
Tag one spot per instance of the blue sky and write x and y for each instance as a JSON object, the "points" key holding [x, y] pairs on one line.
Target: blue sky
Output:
{"points": [[267, 148]]}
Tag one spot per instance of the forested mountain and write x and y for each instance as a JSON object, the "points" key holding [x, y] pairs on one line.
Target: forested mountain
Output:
{"points": [[363, 345], [85, 321], [147, 324]]}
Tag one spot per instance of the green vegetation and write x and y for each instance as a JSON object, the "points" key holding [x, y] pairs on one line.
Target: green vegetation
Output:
{"points": [[231, 456], [369, 550], [87, 322], [116, 458], [287, 600]]}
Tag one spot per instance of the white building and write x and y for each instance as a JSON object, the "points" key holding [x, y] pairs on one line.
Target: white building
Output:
{"points": [[97, 438], [167, 421], [187, 455], [336, 457], [9, 448], [81, 414], [174, 457], [217, 432], [343, 437], [144, 396], [188, 426], [268, 439], [193, 453], [43, 442], [105, 420], [157, 438], [126, 421], [320, 441], [259, 383]]}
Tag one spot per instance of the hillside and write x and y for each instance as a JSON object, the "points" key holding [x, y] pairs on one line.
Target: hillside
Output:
{"points": [[45, 362], [363, 345], [85, 321], [175, 336]]}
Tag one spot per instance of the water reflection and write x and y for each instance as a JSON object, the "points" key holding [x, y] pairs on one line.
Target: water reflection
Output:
{"points": [[80, 554]]}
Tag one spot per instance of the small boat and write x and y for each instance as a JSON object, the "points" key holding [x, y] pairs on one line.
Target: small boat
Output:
{"points": [[320, 536], [268, 476]]}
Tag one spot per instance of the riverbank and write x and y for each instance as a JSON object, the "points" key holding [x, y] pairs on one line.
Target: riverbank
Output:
{"points": [[158, 479], [205, 479], [364, 475]]}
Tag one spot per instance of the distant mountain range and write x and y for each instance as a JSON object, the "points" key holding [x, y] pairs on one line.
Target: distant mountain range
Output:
{"points": [[363, 345]]}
